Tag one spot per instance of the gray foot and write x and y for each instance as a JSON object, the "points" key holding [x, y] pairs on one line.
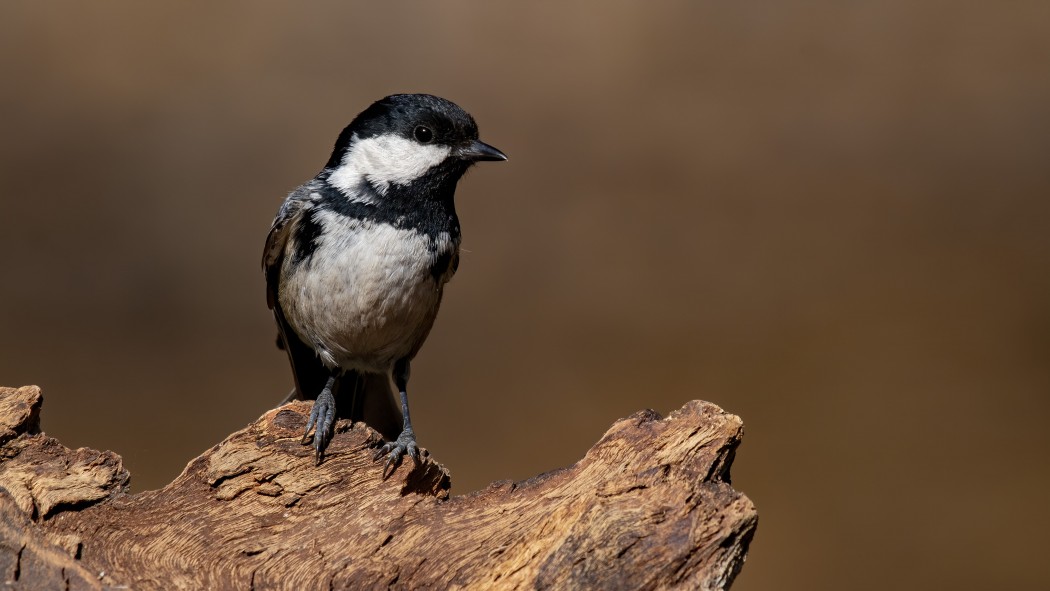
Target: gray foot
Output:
{"points": [[396, 450], [323, 417]]}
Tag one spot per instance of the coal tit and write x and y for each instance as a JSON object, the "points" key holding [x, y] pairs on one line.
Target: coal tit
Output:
{"points": [[358, 257]]}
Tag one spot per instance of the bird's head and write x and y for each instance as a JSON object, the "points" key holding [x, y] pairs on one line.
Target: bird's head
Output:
{"points": [[405, 139]]}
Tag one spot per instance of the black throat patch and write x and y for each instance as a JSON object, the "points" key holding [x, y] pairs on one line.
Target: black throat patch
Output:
{"points": [[426, 206]]}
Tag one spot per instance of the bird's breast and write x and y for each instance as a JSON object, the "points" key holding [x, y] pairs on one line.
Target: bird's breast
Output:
{"points": [[368, 293]]}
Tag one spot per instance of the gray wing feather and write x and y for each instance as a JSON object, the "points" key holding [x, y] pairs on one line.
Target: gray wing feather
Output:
{"points": [[307, 371], [376, 404]]}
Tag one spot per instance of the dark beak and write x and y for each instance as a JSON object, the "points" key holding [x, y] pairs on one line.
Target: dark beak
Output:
{"points": [[479, 150]]}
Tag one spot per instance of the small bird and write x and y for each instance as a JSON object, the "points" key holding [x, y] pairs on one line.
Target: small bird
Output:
{"points": [[357, 259]]}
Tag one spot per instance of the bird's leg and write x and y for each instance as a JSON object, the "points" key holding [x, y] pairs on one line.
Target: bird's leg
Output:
{"points": [[322, 417], [406, 441]]}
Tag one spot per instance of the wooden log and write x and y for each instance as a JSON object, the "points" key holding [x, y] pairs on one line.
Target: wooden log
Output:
{"points": [[649, 506]]}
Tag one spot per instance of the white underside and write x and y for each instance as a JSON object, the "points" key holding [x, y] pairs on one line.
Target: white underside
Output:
{"points": [[366, 297]]}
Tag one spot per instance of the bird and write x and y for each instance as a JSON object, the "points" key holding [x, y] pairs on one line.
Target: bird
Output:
{"points": [[357, 259]]}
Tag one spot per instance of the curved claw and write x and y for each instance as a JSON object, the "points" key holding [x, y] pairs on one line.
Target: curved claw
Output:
{"points": [[396, 450], [322, 416]]}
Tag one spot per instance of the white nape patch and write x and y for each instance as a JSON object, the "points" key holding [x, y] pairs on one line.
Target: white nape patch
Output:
{"points": [[384, 160]]}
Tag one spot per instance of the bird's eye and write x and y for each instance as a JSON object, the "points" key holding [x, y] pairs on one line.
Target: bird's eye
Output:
{"points": [[423, 134]]}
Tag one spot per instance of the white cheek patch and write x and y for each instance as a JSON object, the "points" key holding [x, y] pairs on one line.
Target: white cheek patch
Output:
{"points": [[384, 160]]}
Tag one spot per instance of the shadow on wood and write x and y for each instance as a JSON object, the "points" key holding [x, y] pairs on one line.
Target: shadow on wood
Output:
{"points": [[648, 507]]}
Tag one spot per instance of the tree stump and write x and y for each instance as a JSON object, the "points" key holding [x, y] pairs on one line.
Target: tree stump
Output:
{"points": [[648, 507]]}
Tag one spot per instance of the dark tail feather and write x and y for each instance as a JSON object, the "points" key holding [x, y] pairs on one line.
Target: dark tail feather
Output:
{"points": [[374, 403], [364, 397], [367, 397]]}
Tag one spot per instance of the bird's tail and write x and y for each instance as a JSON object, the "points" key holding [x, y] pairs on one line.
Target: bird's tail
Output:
{"points": [[375, 403], [367, 397]]}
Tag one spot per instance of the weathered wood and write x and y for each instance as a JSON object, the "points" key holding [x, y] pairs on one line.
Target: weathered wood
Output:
{"points": [[648, 507]]}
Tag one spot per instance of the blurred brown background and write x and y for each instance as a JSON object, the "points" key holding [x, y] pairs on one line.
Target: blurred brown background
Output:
{"points": [[830, 218]]}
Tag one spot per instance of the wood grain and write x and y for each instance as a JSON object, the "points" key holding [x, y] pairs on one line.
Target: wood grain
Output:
{"points": [[649, 506]]}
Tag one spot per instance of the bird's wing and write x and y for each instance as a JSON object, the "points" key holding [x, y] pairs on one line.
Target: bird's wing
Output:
{"points": [[308, 372], [375, 403], [277, 241]]}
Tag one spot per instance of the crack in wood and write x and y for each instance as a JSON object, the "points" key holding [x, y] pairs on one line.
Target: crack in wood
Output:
{"points": [[649, 505]]}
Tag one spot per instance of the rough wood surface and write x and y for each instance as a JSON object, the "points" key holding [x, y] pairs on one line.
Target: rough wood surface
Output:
{"points": [[648, 507]]}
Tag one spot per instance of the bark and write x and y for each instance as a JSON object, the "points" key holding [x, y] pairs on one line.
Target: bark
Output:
{"points": [[649, 506]]}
